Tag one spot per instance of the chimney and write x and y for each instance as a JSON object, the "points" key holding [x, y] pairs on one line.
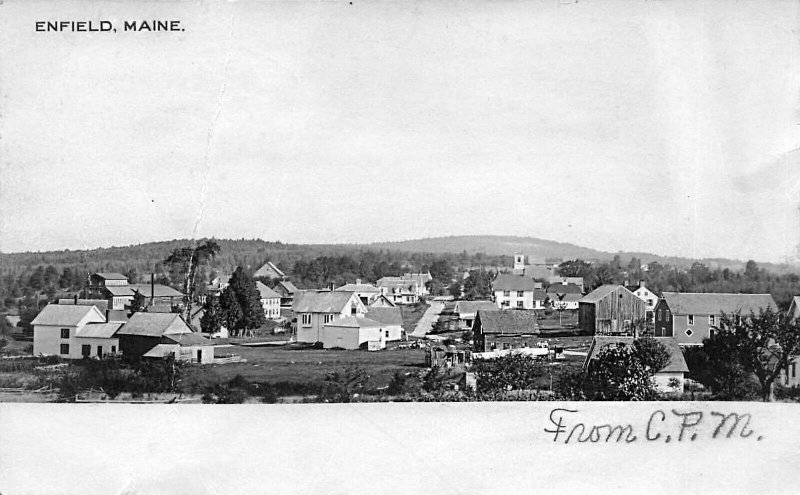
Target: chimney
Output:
{"points": [[331, 286], [641, 283], [76, 299], [358, 281], [152, 288]]}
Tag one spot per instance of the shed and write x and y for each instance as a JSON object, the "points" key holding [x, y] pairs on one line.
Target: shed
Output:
{"points": [[610, 310]]}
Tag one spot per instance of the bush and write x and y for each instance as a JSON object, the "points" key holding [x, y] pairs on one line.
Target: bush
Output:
{"points": [[509, 372], [397, 386]]}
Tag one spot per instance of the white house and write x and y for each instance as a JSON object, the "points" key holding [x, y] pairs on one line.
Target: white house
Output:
{"points": [[390, 318], [312, 310], [270, 270], [399, 290], [74, 332], [366, 292], [270, 301], [649, 297], [513, 291]]}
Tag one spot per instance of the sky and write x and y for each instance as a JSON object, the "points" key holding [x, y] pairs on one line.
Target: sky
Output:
{"points": [[662, 127]]}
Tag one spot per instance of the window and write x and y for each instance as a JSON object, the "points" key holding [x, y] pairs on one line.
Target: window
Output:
{"points": [[327, 319], [712, 320], [99, 351], [506, 293], [690, 319], [660, 314], [65, 349], [65, 333], [86, 350], [520, 293], [689, 332], [520, 305], [666, 314], [306, 318], [649, 302], [387, 334]]}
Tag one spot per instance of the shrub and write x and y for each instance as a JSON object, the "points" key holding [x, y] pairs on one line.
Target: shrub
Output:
{"points": [[397, 386]]}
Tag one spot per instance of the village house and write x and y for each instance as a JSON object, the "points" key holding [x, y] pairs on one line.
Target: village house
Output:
{"points": [[668, 380], [692, 317], [539, 299], [382, 302], [497, 330], [286, 290], [270, 271], [564, 296], [649, 297], [216, 286], [158, 335], [270, 301], [390, 318], [399, 290], [513, 291], [465, 312], [114, 288], [98, 281], [197, 315], [421, 279], [366, 292], [610, 310], [354, 332], [312, 310], [74, 331]]}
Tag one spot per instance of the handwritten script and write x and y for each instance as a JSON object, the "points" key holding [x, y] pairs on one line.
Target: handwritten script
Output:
{"points": [[673, 425]]}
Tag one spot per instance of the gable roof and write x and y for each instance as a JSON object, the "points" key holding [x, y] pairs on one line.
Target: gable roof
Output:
{"points": [[387, 316], [99, 330], [472, 307], [509, 321], [321, 302], [677, 363], [513, 282], [287, 286], [710, 303], [269, 270], [397, 283], [563, 289], [266, 292], [358, 288], [556, 297], [601, 292], [157, 290], [67, 315], [154, 325], [110, 276], [355, 322], [382, 302]]}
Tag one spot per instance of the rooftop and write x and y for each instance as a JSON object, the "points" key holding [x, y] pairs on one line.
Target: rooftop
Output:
{"points": [[710, 303], [676, 363], [509, 321], [154, 325], [513, 282], [321, 302], [67, 315]]}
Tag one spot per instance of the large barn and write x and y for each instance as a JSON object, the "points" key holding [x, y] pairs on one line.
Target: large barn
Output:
{"points": [[610, 310]]}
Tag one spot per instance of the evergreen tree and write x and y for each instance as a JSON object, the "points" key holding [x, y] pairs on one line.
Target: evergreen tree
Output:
{"points": [[244, 287], [231, 311], [139, 303], [213, 318]]}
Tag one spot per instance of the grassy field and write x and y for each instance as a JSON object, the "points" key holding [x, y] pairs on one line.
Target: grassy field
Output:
{"points": [[272, 365]]}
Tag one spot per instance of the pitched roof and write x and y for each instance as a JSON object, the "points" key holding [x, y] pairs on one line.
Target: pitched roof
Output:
{"points": [[472, 307], [186, 339], [387, 316], [355, 322], [157, 290], [154, 325], [111, 276], [116, 315], [321, 302], [358, 288], [563, 289], [676, 363], [556, 297], [382, 301], [102, 304], [397, 283], [288, 286], [509, 321], [269, 270], [686, 303], [513, 282], [601, 292], [160, 350], [66, 315], [266, 292], [99, 330]]}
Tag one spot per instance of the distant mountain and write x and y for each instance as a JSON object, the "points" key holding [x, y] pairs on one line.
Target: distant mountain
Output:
{"points": [[535, 248]]}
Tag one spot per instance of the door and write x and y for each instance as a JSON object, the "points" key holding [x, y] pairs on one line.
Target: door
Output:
{"points": [[99, 351], [86, 350], [199, 356]]}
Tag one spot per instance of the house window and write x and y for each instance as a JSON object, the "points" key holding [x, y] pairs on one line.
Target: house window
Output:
{"points": [[666, 313], [65, 333], [86, 350], [690, 319], [649, 302], [387, 334], [520, 305], [660, 315], [506, 293], [328, 319], [306, 319], [689, 332], [65, 349], [712, 320], [520, 293]]}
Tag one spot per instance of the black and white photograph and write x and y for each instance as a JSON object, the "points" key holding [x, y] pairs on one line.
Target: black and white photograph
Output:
{"points": [[460, 244]]}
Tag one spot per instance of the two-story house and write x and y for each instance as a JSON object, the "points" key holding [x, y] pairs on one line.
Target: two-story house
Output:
{"points": [[312, 310], [649, 297], [270, 301], [513, 291], [74, 331], [691, 317], [399, 290]]}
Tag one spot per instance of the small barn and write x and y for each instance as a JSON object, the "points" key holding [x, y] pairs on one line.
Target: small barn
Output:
{"points": [[351, 332], [610, 310], [148, 335], [509, 329]]}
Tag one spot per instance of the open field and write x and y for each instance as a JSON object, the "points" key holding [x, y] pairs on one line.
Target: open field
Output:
{"points": [[272, 365]]}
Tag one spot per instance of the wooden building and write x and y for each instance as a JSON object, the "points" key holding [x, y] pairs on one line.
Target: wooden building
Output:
{"points": [[610, 310], [497, 330]]}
